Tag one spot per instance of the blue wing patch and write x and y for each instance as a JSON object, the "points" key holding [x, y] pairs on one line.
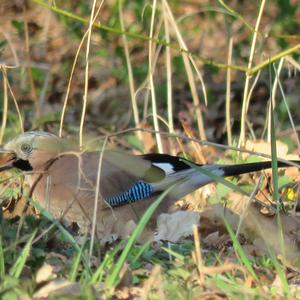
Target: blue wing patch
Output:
{"points": [[139, 191]]}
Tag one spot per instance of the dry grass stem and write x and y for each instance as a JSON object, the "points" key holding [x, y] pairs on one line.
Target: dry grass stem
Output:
{"points": [[287, 107], [16, 106], [168, 72], [151, 81], [293, 62], [187, 60], [228, 94], [198, 255], [154, 282], [130, 73], [12, 49], [248, 77], [97, 197], [62, 118], [85, 95], [5, 104]]}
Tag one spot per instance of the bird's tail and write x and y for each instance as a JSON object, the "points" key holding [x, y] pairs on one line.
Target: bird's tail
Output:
{"points": [[192, 179], [232, 170]]}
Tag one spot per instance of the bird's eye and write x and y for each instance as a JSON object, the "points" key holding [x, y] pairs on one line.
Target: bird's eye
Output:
{"points": [[26, 148]]}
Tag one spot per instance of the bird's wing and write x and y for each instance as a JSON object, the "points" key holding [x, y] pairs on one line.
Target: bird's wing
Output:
{"points": [[124, 178], [118, 172], [68, 186]]}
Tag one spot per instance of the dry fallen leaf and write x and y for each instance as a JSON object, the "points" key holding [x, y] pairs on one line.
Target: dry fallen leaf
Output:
{"points": [[58, 287], [293, 173], [172, 227], [155, 281], [129, 293], [45, 273], [148, 140], [261, 146]]}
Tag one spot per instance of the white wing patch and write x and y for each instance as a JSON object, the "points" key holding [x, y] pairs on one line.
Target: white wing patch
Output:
{"points": [[166, 167]]}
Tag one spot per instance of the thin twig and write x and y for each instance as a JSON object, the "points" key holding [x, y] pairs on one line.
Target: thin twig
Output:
{"points": [[190, 139]]}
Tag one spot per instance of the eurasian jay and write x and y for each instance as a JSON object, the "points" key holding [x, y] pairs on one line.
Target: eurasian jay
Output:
{"points": [[65, 181]]}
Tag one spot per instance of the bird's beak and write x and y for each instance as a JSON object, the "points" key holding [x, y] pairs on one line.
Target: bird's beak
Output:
{"points": [[7, 158]]}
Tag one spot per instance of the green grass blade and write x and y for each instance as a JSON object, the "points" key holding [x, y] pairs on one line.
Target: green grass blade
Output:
{"points": [[240, 252], [75, 265], [65, 232], [276, 197], [141, 251], [2, 262], [99, 273], [275, 179], [18, 266], [113, 279], [173, 253], [281, 274], [49, 216]]}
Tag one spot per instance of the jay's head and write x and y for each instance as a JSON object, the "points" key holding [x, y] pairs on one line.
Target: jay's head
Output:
{"points": [[30, 150]]}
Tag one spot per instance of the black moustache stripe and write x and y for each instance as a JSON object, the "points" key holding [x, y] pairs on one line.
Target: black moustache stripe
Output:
{"points": [[23, 165]]}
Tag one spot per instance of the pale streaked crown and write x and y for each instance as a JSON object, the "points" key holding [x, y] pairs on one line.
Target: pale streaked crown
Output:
{"points": [[27, 144]]}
